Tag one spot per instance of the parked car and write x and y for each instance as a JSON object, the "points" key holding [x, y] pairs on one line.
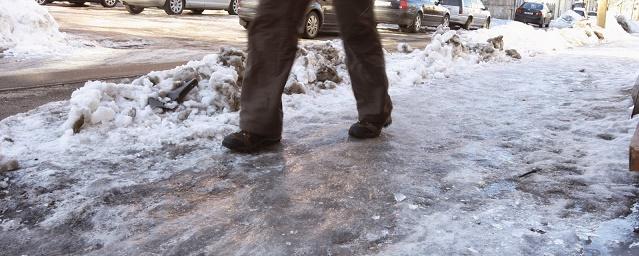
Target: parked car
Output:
{"points": [[536, 13], [105, 3], [320, 16], [175, 7], [411, 15], [581, 11], [467, 13]]}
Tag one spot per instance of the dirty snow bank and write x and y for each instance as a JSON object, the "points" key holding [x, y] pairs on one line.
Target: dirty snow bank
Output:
{"points": [[26, 28], [109, 106], [629, 25]]}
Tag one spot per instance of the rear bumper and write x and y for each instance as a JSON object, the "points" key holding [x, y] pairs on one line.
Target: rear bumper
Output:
{"points": [[145, 3], [528, 18]]}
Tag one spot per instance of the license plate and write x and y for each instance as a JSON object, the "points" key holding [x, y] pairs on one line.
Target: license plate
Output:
{"points": [[528, 13]]}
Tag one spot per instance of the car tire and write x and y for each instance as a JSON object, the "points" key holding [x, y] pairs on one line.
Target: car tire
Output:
{"points": [[233, 7], [133, 9], [468, 23], [417, 24], [446, 21], [487, 23], [312, 24], [174, 7], [43, 2], [109, 3], [197, 11]]}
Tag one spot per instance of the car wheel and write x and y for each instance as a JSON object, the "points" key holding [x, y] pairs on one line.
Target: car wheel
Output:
{"points": [[174, 7], [109, 3], [197, 11], [311, 25], [541, 25], [487, 23], [133, 9], [468, 23], [233, 7], [43, 2], [417, 24], [446, 21]]}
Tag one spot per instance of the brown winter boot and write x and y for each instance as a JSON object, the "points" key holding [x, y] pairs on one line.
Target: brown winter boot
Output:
{"points": [[246, 142], [367, 130]]}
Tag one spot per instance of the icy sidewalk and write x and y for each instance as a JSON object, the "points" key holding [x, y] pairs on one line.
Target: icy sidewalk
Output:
{"points": [[444, 179]]}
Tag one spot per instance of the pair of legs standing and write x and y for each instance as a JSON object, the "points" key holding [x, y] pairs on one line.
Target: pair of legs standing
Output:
{"points": [[273, 37]]}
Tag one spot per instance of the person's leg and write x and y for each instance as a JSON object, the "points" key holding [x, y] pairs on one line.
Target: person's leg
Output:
{"points": [[272, 47], [365, 61]]}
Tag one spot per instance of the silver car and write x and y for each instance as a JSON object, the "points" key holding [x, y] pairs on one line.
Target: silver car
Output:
{"points": [[175, 7], [468, 13]]}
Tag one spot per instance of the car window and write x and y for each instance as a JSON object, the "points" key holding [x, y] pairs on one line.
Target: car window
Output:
{"points": [[467, 3], [450, 2], [533, 6]]}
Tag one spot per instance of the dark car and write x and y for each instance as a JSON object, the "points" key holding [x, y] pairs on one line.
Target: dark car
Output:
{"points": [[105, 3], [411, 15], [536, 13], [319, 16]]}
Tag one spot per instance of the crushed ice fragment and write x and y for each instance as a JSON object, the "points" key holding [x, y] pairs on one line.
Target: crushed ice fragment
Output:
{"points": [[399, 197]]}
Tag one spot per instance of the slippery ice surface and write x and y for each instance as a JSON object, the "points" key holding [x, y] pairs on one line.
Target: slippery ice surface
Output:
{"points": [[487, 154]]}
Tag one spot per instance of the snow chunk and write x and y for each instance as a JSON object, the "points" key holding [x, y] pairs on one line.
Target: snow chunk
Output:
{"points": [[26, 28]]}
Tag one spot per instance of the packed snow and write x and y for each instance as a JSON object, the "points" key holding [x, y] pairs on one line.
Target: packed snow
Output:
{"points": [[536, 160], [566, 20], [27, 28]]}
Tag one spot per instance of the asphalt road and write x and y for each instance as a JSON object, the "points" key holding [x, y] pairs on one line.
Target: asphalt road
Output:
{"points": [[127, 46]]}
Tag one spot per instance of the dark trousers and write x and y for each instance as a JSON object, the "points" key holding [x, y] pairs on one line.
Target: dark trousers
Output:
{"points": [[272, 48]]}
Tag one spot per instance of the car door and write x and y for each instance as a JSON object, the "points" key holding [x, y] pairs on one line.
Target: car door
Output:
{"points": [[479, 17], [328, 9], [195, 4], [431, 16], [216, 4]]}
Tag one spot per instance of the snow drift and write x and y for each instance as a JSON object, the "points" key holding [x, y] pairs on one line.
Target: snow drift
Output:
{"points": [[629, 25], [26, 28]]}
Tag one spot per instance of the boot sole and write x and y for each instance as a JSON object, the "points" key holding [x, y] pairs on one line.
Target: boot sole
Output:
{"points": [[252, 149]]}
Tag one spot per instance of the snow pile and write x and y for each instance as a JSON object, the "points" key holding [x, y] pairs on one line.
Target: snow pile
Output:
{"points": [[446, 53], [26, 28], [529, 41], [628, 24], [317, 66], [567, 20], [153, 101]]}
